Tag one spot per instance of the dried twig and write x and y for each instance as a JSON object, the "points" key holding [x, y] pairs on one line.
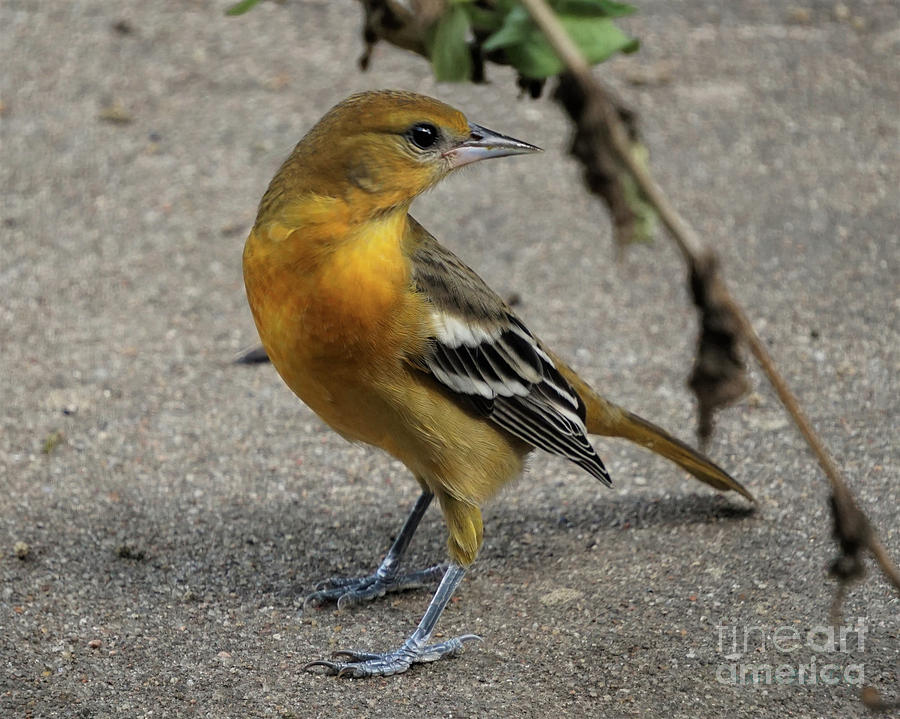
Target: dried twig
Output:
{"points": [[852, 528], [719, 377], [603, 173]]}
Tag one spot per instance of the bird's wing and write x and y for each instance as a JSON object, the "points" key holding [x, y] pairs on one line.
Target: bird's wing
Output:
{"points": [[482, 352]]}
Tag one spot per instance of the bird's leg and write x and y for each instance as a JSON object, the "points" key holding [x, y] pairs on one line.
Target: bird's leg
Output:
{"points": [[347, 591], [415, 650]]}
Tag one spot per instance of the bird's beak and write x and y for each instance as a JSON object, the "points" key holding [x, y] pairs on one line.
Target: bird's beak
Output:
{"points": [[483, 144]]}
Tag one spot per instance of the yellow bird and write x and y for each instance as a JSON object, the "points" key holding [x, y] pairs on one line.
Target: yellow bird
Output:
{"points": [[393, 341]]}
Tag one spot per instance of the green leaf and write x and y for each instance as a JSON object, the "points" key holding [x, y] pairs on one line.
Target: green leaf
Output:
{"points": [[516, 28], [483, 19], [534, 60], [449, 49], [242, 7], [618, 9], [504, 6], [595, 8], [597, 37]]}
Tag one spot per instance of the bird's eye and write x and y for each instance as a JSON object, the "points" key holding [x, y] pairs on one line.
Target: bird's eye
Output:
{"points": [[423, 135]]}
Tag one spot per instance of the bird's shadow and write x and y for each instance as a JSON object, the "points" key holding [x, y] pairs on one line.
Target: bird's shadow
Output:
{"points": [[599, 516], [275, 552]]}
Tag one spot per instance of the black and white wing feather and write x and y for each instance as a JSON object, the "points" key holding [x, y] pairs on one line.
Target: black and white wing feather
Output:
{"points": [[484, 353]]}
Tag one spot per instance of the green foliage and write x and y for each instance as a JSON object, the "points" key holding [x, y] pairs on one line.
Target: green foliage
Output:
{"points": [[486, 20], [588, 22], [594, 8], [505, 28], [451, 59]]}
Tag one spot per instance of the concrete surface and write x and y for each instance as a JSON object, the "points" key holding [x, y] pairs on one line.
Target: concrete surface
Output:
{"points": [[184, 505]]}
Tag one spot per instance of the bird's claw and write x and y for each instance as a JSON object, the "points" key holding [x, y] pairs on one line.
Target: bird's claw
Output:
{"points": [[338, 582], [359, 665], [350, 591]]}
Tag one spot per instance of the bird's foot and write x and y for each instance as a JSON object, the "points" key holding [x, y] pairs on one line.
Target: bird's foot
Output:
{"points": [[359, 665], [350, 591]]}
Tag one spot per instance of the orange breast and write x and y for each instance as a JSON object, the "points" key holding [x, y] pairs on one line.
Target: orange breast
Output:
{"points": [[336, 319]]}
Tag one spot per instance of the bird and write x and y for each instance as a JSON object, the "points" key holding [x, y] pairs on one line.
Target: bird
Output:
{"points": [[393, 341]]}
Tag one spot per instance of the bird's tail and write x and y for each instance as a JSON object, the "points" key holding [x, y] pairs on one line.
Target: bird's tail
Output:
{"points": [[640, 431], [610, 420]]}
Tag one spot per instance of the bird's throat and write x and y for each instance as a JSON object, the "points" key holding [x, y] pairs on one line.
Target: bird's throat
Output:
{"points": [[309, 290]]}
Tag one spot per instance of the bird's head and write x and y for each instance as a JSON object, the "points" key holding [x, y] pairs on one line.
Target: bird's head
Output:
{"points": [[378, 150]]}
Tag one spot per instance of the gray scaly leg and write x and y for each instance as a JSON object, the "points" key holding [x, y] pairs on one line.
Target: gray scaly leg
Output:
{"points": [[349, 591], [414, 650]]}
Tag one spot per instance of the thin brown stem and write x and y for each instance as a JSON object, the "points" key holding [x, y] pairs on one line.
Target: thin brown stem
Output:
{"points": [[694, 252], [884, 560], [685, 237]]}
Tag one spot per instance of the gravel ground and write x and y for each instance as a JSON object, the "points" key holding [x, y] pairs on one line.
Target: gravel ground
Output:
{"points": [[175, 507]]}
